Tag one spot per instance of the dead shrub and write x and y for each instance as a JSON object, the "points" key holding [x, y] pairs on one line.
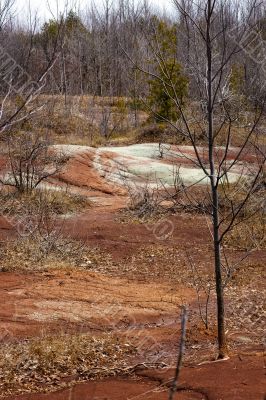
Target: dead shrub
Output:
{"points": [[144, 198], [144, 202], [30, 161]]}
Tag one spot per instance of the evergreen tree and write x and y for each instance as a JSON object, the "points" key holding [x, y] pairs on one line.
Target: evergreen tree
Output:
{"points": [[170, 82]]}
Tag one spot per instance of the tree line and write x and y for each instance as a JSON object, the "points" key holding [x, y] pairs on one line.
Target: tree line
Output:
{"points": [[102, 52]]}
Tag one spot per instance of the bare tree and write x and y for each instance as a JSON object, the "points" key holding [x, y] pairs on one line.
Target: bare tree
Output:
{"points": [[20, 88], [6, 7], [30, 161], [213, 38]]}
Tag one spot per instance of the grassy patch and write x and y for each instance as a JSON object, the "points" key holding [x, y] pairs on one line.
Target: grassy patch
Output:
{"points": [[42, 251], [58, 202], [249, 227], [248, 235], [42, 364]]}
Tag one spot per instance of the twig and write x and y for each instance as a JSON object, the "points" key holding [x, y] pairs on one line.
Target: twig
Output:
{"points": [[181, 352]]}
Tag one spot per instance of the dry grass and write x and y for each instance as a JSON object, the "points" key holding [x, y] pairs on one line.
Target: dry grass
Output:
{"points": [[40, 252], [153, 263], [81, 119], [249, 228], [44, 251], [78, 120], [39, 219], [59, 202], [69, 129], [248, 235], [42, 364], [246, 313]]}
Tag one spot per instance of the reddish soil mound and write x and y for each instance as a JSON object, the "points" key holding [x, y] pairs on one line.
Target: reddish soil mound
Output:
{"points": [[80, 172]]}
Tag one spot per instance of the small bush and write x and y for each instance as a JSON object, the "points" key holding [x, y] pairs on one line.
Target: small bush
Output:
{"points": [[156, 133]]}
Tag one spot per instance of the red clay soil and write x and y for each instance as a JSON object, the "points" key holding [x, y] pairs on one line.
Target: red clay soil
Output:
{"points": [[244, 156], [240, 378], [103, 229], [47, 302], [57, 301], [79, 171], [184, 232], [73, 301]]}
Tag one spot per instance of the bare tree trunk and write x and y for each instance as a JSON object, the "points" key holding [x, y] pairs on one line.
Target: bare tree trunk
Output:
{"points": [[222, 346], [64, 78]]}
